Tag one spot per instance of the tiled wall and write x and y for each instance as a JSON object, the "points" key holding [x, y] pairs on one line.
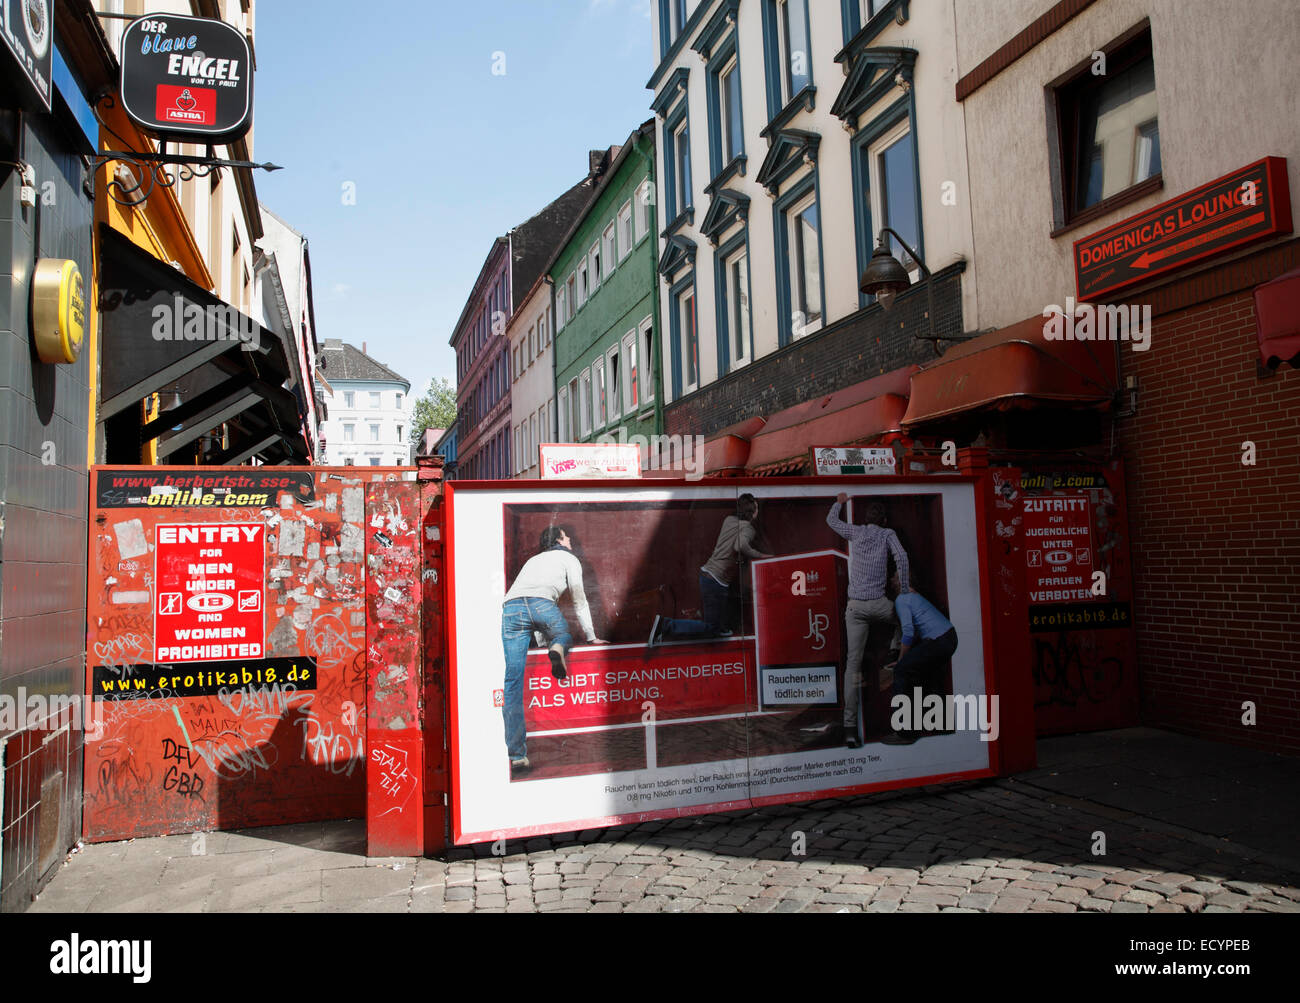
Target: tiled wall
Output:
{"points": [[43, 428]]}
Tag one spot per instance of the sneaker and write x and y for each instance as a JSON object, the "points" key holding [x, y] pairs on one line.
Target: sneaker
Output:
{"points": [[899, 738], [559, 666], [519, 765], [654, 631], [851, 740]]}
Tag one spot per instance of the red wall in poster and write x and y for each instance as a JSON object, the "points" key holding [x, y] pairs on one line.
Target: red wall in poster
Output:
{"points": [[610, 686]]}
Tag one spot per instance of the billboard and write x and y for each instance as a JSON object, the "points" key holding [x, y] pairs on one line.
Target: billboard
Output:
{"points": [[635, 651]]}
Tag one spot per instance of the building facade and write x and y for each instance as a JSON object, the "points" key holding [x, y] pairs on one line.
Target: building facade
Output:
{"points": [[369, 410], [790, 133], [483, 375], [607, 351], [283, 265], [532, 383], [46, 428], [1205, 411]]}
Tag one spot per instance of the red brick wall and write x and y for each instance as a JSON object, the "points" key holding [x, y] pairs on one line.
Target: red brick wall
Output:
{"points": [[1216, 544]]}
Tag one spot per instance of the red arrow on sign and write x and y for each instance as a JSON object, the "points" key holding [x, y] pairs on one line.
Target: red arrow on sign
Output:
{"points": [[1147, 258]]}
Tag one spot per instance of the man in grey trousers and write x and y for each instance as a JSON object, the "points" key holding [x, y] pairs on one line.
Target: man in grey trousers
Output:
{"points": [[869, 549]]}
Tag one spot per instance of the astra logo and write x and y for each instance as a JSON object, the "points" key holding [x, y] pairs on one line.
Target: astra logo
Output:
{"points": [[103, 957]]}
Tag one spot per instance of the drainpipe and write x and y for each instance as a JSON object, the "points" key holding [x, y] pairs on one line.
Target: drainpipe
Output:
{"points": [[658, 330]]}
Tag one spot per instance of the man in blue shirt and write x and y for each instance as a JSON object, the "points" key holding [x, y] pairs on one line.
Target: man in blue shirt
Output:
{"points": [[929, 642]]}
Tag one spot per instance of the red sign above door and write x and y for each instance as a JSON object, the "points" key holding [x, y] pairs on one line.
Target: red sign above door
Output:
{"points": [[1246, 206]]}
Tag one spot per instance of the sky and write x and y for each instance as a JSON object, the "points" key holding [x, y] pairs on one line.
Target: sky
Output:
{"points": [[399, 100]]}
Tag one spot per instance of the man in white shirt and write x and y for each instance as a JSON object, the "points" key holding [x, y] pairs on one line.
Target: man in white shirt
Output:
{"points": [[531, 606]]}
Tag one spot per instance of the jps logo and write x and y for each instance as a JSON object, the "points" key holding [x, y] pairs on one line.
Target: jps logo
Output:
{"points": [[818, 623]]}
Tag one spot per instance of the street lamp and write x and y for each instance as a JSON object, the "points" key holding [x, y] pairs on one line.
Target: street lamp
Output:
{"points": [[886, 277]]}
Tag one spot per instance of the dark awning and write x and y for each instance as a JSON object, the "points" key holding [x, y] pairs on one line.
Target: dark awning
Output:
{"points": [[164, 334], [1016, 367], [1277, 309], [852, 416]]}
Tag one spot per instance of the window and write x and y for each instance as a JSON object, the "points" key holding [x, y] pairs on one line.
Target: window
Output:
{"points": [[564, 415], [532, 344], [374, 461], [891, 170], [349, 399], [641, 210], [613, 367], [631, 400], [534, 441], [561, 308], [399, 402], [730, 128], [681, 170], [792, 33], [646, 358], [593, 263], [625, 238], [598, 393], [573, 303], [672, 19], [687, 368], [399, 433], [349, 433], [571, 430], [584, 402], [375, 401], [867, 9], [1109, 126], [733, 288], [543, 333], [374, 433], [803, 266], [608, 250]]}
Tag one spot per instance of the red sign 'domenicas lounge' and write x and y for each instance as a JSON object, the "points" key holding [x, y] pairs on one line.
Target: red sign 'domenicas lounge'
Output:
{"points": [[1245, 206]]}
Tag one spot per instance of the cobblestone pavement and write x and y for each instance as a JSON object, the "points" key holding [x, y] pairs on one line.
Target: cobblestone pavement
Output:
{"points": [[993, 847]]}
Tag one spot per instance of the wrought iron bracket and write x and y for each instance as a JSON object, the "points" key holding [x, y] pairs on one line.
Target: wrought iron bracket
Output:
{"points": [[149, 171]]}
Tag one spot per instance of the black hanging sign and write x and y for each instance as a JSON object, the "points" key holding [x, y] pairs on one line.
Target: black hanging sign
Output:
{"points": [[27, 27], [187, 78]]}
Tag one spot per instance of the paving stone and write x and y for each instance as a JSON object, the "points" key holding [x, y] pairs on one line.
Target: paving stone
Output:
{"points": [[1228, 900], [1051, 905], [1129, 907]]}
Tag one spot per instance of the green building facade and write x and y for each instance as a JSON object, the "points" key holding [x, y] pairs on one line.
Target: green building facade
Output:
{"points": [[608, 383]]}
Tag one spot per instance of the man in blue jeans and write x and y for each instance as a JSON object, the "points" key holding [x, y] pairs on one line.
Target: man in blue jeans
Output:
{"points": [[531, 606]]}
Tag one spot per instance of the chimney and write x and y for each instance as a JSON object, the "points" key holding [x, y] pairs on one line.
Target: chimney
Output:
{"points": [[595, 159], [363, 349]]}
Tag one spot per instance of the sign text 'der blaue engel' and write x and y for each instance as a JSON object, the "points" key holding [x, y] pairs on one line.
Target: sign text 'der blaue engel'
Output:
{"points": [[187, 78]]}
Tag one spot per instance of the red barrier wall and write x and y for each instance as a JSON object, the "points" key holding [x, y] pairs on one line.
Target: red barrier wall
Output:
{"points": [[274, 732]]}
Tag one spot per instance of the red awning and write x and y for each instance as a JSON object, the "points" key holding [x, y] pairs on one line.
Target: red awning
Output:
{"points": [[1277, 309], [1016, 367], [727, 452], [848, 417]]}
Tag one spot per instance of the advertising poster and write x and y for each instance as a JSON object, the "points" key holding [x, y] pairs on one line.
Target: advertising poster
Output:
{"points": [[638, 651]]}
